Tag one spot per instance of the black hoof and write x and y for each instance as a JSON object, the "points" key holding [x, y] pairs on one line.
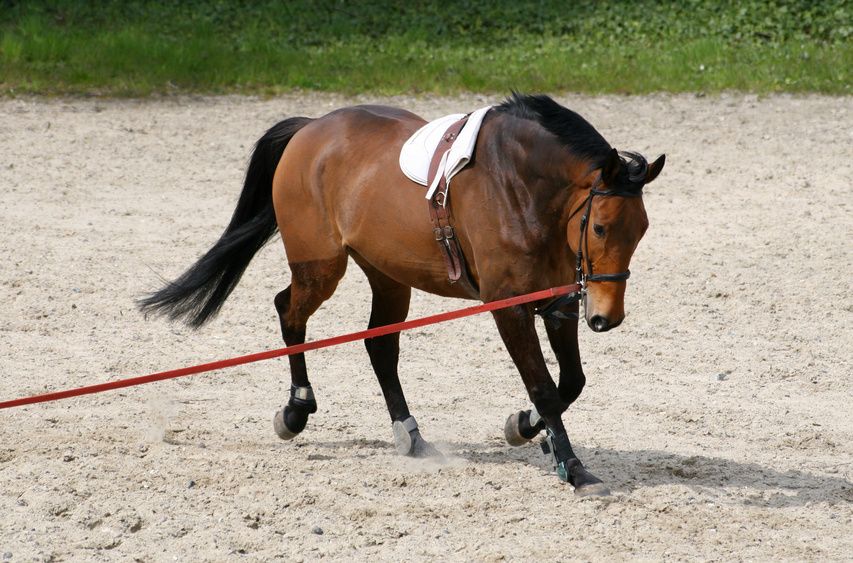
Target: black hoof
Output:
{"points": [[289, 422], [585, 483]]}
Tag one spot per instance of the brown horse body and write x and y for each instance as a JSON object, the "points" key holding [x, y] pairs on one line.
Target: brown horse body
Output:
{"points": [[518, 209]]}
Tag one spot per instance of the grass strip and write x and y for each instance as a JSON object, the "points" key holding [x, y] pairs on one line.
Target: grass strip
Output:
{"points": [[138, 54]]}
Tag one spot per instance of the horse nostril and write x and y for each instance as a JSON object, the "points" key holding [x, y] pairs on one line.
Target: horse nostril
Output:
{"points": [[598, 323]]}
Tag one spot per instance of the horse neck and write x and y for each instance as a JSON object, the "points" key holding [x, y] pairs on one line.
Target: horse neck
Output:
{"points": [[537, 174]]}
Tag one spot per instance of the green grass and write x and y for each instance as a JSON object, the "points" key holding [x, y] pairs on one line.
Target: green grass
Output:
{"points": [[386, 47]]}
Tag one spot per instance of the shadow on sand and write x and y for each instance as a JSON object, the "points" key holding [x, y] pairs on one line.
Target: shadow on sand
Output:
{"points": [[626, 471]]}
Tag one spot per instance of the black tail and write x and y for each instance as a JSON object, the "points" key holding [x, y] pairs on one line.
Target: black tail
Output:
{"points": [[198, 294]]}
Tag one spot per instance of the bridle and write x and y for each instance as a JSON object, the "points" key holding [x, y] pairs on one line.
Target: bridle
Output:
{"points": [[551, 311], [582, 277]]}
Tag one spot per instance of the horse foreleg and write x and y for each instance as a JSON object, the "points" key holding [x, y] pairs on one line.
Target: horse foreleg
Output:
{"points": [[523, 426], [564, 341], [518, 331]]}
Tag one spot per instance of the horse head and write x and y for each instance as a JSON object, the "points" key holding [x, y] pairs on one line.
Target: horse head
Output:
{"points": [[604, 230]]}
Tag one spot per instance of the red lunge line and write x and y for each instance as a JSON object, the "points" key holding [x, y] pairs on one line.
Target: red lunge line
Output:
{"points": [[298, 349]]}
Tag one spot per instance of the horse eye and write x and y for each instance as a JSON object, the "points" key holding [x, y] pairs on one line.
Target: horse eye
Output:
{"points": [[598, 230]]}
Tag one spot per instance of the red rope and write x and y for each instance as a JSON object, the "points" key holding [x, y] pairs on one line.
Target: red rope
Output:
{"points": [[297, 349]]}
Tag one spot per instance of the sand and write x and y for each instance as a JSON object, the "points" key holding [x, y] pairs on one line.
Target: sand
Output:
{"points": [[719, 413]]}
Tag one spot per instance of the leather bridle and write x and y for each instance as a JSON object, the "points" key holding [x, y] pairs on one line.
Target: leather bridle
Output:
{"points": [[551, 311], [582, 277]]}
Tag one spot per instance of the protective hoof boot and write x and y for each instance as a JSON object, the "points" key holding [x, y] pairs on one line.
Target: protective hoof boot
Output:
{"points": [[574, 473]]}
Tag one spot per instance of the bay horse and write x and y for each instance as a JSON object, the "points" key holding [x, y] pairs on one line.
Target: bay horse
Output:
{"points": [[543, 189]]}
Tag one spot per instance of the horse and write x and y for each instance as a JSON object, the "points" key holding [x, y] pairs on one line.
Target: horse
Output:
{"points": [[545, 201]]}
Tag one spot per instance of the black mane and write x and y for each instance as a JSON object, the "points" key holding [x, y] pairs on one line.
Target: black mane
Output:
{"points": [[576, 133], [573, 130]]}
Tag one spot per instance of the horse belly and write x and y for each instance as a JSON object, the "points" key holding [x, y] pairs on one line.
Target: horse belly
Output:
{"points": [[392, 232]]}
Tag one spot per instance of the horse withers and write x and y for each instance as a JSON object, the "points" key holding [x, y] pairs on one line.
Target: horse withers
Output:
{"points": [[545, 201]]}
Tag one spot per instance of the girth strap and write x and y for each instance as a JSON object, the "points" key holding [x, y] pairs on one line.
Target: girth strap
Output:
{"points": [[445, 235]]}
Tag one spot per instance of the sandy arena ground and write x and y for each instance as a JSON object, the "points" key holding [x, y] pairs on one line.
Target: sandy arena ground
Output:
{"points": [[719, 413]]}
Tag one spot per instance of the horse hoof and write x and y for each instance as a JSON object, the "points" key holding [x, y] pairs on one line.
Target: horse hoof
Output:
{"points": [[592, 490], [522, 427], [423, 449], [511, 432], [585, 483], [281, 428], [403, 430], [409, 442]]}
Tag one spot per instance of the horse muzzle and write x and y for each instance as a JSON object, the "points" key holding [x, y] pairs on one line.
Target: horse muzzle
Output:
{"points": [[600, 323]]}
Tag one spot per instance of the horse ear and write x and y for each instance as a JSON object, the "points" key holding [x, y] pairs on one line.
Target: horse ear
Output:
{"points": [[612, 165], [655, 168]]}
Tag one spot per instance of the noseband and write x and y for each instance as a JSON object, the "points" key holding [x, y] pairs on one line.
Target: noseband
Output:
{"points": [[583, 241]]}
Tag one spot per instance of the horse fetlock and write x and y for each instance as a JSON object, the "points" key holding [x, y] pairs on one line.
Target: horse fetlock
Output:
{"points": [[302, 399], [523, 426], [570, 469]]}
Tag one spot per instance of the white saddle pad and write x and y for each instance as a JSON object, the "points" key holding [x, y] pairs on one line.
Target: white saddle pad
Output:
{"points": [[417, 152]]}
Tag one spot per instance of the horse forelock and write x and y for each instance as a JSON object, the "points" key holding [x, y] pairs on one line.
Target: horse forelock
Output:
{"points": [[636, 169]]}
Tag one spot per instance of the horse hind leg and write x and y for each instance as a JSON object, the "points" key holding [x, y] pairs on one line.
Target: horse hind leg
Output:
{"points": [[312, 283], [391, 305]]}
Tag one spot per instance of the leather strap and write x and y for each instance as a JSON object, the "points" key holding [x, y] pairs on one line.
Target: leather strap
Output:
{"points": [[439, 212]]}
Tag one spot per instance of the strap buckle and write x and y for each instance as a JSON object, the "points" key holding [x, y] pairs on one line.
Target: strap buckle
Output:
{"points": [[443, 233]]}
